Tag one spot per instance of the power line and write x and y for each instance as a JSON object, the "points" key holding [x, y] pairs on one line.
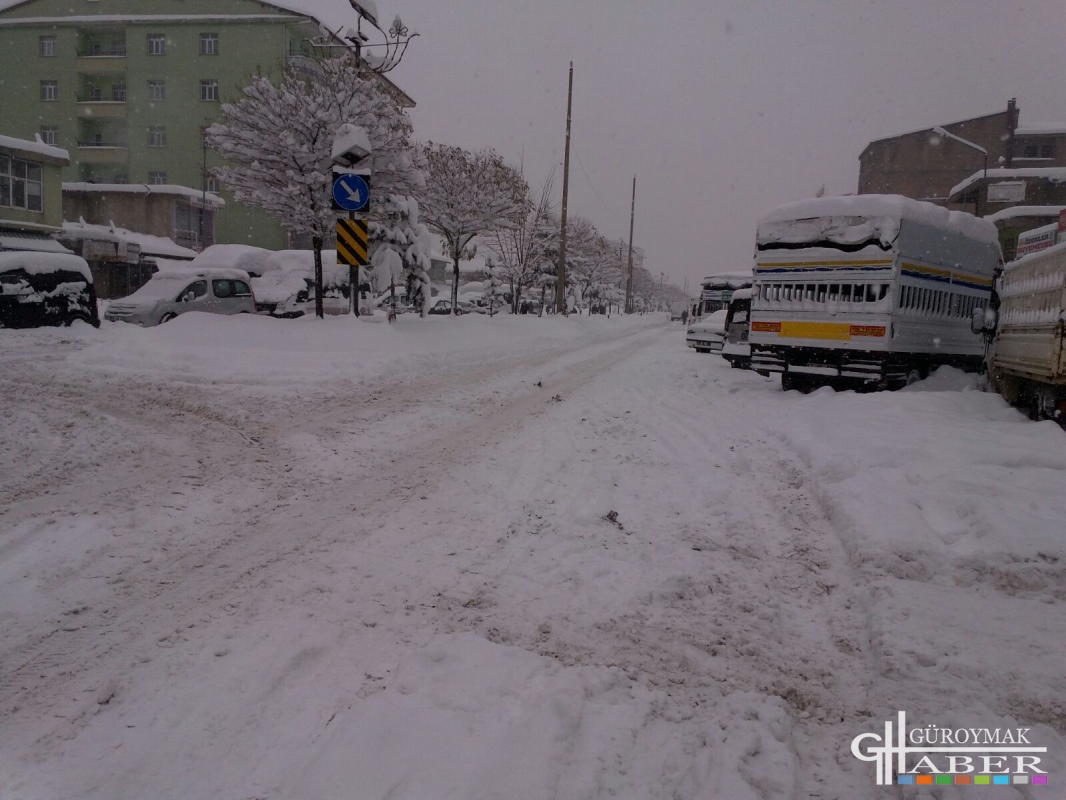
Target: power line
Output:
{"points": [[591, 186]]}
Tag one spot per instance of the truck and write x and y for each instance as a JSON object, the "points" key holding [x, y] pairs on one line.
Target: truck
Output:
{"points": [[679, 310], [1027, 360], [718, 289], [869, 291]]}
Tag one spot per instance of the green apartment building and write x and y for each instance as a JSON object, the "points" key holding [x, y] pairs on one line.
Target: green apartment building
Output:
{"points": [[127, 87]]}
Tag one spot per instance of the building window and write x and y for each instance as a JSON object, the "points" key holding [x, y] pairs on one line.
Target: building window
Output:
{"points": [[1030, 151], [121, 178], [49, 90], [20, 184], [157, 44], [118, 93], [210, 184], [1047, 151], [157, 136], [47, 45], [157, 90], [50, 134], [209, 44], [209, 90], [157, 178]]}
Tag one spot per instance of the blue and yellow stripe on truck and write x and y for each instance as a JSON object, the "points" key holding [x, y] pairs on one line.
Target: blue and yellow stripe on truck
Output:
{"points": [[945, 276]]}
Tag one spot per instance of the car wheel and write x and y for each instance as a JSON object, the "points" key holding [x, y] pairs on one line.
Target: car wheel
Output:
{"points": [[76, 317], [167, 317]]}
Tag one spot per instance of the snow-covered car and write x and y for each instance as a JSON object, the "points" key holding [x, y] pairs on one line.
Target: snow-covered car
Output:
{"points": [[41, 289], [173, 292], [468, 307], [442, 306], [283, 294], [707, 335]]}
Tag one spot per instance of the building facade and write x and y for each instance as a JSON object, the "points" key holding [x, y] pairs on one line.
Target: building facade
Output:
{"points": [[128, 87], [31, 203]]}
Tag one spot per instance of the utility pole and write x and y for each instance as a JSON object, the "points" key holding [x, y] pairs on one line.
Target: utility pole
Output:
{"points": [[560, 272], [629, 271]]}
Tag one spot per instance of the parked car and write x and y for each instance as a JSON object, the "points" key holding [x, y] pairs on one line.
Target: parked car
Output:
{"points": [[441, 306], [707, 335], [41, 289], [468, 307], [173, 292]]}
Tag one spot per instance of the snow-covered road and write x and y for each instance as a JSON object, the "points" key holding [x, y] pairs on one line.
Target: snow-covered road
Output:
{"points": [[540, 560]]}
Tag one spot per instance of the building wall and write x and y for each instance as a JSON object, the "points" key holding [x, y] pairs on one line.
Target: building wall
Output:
{"points": [[245, 47], [925, 166], [51, 213]]}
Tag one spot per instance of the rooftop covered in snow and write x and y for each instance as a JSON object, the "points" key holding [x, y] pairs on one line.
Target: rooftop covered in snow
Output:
{"points": [[1053, 174], [144, 188], [37, 148]]}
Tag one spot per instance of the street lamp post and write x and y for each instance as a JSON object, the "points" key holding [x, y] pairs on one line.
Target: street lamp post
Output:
{"points": [[939, 131]]}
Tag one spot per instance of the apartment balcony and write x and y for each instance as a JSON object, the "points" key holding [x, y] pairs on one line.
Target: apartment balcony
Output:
{"points": [[92, 107], [99, 151], [98, 61]]}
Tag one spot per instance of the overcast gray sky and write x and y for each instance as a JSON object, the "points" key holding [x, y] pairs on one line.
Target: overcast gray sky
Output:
{"points": [[723, 109]]}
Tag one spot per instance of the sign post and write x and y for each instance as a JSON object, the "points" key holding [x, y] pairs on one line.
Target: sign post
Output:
{"points": [[351, 193]]}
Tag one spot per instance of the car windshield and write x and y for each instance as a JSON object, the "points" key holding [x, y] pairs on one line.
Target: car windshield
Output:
{"points": [[159, 288]]}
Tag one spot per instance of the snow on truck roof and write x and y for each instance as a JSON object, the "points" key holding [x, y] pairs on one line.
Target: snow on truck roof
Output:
{"points": [[38, 263], [732, 279], [882, 213]]}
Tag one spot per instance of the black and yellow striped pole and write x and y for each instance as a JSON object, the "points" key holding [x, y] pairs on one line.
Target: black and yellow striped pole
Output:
{"points": [[353, 240]]}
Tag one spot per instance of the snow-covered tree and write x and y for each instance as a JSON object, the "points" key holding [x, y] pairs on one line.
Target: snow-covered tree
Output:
{"points": [[522, 249], [400, 250], [493, 293], [467, 195], [278, 138], [591, 262]]}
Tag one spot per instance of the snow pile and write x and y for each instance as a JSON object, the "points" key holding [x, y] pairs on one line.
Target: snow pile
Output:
{"points": [[855, 219], [38, 263], [252, 260]]}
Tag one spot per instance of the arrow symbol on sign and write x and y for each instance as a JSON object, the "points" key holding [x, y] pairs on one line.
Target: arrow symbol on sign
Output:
{"points": [[355, 196]]}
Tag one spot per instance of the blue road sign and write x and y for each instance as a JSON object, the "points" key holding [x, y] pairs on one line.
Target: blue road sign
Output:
{"points": [[350, 192]]}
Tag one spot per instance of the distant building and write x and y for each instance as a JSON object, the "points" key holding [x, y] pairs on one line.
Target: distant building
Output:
{"points": [[128, 86], [31, 205], [926, 166]]}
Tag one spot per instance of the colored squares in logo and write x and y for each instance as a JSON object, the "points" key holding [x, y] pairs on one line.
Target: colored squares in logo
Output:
{"points": [[924, 780], [982, 780], [1000, 779], [1021, 779], [904, 780], [1040, 779], [962, 779], [944, 779]]}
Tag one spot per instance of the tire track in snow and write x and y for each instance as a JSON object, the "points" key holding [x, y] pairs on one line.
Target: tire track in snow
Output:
{"points": [[41, 674]]}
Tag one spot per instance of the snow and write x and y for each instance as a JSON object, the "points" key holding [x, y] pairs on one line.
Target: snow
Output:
{"points": [[187, 272], [732, 279], [40, 263], [710, 323], [144, 188], [1041, 128], [524, 557], [1053, 174], [253, 260], [149, 244], [348, 138], [743, 294], [1024, 211], [831, 218], [37, 147]]}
